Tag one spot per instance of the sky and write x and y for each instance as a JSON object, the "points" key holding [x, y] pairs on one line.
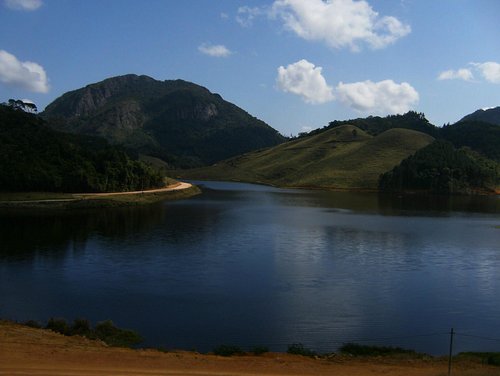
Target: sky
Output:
{"points": [[296, 64]]}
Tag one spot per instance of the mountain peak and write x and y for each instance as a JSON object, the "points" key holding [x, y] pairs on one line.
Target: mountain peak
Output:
{"points": [[488, 115], [175, 120]]}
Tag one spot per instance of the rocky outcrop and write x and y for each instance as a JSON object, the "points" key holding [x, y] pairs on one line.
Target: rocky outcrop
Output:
{"points": [[175, 120]]}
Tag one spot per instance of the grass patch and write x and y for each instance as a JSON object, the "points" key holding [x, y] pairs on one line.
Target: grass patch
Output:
{"points": [[355, 349], [299, 349]]}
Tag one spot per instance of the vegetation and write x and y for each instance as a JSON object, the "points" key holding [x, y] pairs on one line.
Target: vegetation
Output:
{"points": [[179, 122], [480, 133], [299, 349], [440, 168], [33, 157], [491, 358], [344, 157], [364, 350], [105, 331], [375, 125], [228, 350], [481, 137]]}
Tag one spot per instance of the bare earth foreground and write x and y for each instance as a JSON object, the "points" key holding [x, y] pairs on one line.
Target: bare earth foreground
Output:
{"points": [[28, 351]]}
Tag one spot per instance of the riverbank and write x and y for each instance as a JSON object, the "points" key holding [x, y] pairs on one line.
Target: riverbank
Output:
{"points": [[174, 191], [28, 351]]}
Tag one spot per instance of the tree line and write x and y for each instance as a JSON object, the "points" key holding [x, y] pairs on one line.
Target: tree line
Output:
{"points": [[34, 157]]}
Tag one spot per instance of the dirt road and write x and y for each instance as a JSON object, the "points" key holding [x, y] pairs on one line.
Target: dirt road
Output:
{"points": [[174, 187], [28, 351]]}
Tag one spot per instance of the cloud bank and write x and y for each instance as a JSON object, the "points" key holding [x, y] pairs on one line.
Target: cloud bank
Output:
{"points": [[22, 74], [337, 23], [490, 71], [304, 79], [214, 50], [27, 5], [384, 97]]}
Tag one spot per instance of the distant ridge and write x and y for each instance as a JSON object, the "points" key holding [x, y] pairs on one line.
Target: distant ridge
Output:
{"points": [[489, 115], [178, 121]]}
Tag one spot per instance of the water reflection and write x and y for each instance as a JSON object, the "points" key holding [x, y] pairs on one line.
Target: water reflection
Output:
{"points": [[253, 265]]}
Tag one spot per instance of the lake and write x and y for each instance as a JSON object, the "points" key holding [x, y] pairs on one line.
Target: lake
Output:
{"points": [[252, 265]]}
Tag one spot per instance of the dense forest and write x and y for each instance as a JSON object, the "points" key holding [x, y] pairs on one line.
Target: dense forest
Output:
{"points": [[34, 157], [441, 168]]}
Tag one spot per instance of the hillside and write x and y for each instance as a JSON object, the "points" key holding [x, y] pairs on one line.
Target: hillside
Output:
{"points": [[490, 115], [33, 157], [343, 157], [375, 125], [179, 122], [441, 168], [479, 136]]}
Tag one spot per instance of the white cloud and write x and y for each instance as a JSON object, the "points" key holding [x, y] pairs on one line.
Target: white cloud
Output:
{"points": [[459, 74], [28, 5], [489, 70], [214, 50], [338, 23], [23, 74], [305, 79], [384, 97], [246, 15]]}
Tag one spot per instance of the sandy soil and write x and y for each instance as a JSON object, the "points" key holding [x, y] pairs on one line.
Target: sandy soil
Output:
{"points": [[27, 351]]}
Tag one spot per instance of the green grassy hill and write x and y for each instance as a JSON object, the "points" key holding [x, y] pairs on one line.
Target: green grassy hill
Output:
{"points": [[343, 157]]}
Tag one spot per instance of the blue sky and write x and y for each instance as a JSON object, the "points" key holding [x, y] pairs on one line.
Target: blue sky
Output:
{"points": [[296, 64]]}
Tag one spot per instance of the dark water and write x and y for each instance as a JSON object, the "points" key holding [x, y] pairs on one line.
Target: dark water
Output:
{"points": [[250, 265]]}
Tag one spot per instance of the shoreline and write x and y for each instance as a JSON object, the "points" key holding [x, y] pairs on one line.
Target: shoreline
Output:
{"points": [[175, 191], [25, 350]]}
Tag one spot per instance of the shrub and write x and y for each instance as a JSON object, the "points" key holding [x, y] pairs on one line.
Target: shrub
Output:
{"points": [[494, 359], [58, 326], [113, 336], [81, 327], [226, 350], [33, 324], [362, 350], [299, 349]]}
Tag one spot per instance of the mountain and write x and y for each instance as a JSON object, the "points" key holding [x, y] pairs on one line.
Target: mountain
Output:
{"points": [[490, 115], [34, 157], [344, 157], [180, 122]]}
